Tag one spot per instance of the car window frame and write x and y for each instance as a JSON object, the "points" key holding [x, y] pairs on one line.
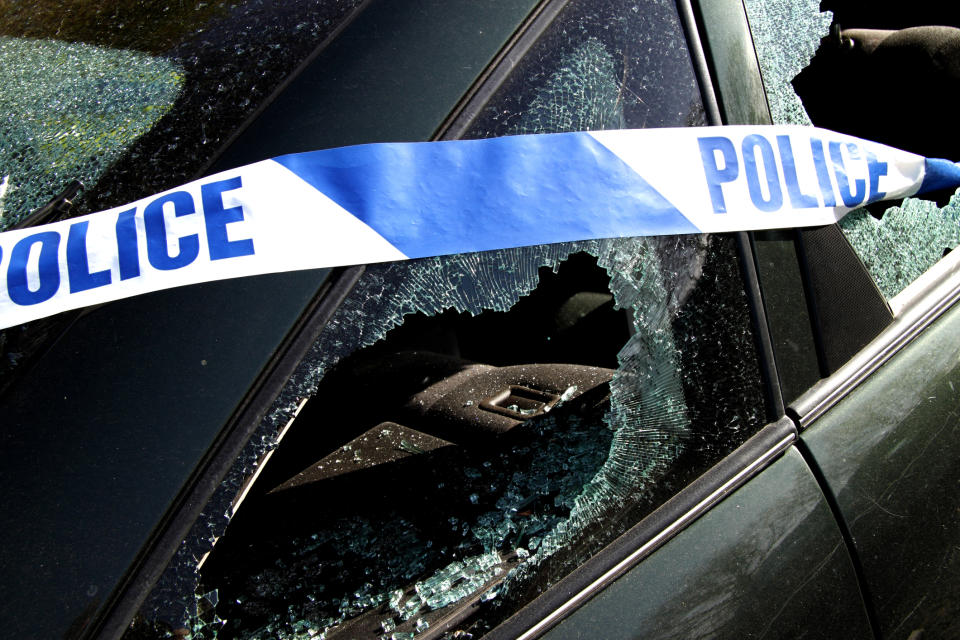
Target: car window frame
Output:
{"points": [[680, 510], [695, 499]]}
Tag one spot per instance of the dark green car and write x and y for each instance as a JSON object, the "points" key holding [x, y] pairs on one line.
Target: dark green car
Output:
{"points": [[736, 435]]}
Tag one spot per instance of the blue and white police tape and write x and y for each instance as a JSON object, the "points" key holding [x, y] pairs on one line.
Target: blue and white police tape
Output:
{"points": [[381, 202]]}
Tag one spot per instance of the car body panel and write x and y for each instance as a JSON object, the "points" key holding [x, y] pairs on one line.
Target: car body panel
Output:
{"points": [[760, 564], [733, 61], [888, 451]]}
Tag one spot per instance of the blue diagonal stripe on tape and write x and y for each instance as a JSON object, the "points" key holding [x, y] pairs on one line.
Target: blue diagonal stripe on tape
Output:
{"points": [[475, 195], [939, 174]]}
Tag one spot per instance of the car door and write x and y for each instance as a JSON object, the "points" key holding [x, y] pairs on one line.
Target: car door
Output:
{"points": [[881, 431], [693, 323], [758, 561], [687, 313]]}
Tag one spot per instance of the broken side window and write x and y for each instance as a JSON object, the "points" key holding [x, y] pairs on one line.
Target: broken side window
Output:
{"points": [[480, 446], [905, 241], [896, 244], [484, 423], [480, 424]]}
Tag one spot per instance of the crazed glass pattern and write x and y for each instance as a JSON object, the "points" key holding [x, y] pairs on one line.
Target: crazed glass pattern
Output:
{"points": [[585, 468], [909, 239], [516, 516], [69, 111], [582, 95], [176, 78], [786, 34]]}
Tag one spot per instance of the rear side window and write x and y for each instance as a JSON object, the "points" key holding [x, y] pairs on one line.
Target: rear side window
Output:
{"points": [[896, 244], [900, 243], [468, 429]]}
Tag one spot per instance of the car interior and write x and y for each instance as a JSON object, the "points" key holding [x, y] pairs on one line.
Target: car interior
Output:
{"points": [[438, 395]]}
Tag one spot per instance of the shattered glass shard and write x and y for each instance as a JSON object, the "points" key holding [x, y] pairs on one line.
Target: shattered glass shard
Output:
{"points": [[75, 108], [395, 598], [786, 34], [905, 242], [409, 447], [582, 95]]}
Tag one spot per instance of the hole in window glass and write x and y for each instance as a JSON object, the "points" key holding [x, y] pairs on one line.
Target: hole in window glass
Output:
{"points": [[394, 500]]}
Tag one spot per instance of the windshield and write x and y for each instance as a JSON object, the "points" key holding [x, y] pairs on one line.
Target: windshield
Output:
{"points": [[137, 96]]}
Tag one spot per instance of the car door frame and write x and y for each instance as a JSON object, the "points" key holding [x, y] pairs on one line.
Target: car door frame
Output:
{"points": [[644, 538]]}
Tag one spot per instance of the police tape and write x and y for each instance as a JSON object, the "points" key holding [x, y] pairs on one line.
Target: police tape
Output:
{"points": [[382, 202]]}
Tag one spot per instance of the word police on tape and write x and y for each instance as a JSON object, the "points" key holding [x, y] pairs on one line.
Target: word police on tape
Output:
{"points": [[382, 202]]}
